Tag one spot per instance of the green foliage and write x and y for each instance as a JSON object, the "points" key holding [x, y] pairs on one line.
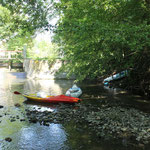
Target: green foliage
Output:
{"points": [[101, 36], [18, 42], [19, 20], [44, 50], [5, 22], [35, 13]]}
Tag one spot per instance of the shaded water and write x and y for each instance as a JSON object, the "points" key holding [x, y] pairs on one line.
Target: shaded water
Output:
{"points": [[33, 136]]}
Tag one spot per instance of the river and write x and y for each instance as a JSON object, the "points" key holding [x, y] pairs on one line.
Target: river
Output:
{"points": [[17, 133]]}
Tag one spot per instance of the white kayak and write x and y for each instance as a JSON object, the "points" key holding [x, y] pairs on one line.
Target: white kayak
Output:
{"points": [[116, 76], [75, 91]]}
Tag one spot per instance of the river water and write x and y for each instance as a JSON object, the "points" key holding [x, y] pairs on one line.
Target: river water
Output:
{"points": [[34, 136]]}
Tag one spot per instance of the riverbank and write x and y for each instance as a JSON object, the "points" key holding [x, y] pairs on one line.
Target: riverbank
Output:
{"points": [[109, 120]]}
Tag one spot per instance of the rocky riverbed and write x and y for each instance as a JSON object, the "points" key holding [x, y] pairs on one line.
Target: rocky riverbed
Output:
{"points": [[107, 121]]}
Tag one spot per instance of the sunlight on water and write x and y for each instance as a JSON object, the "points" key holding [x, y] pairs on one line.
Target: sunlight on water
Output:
{"points": [[24, 135], [38, 137], [47, 86]]}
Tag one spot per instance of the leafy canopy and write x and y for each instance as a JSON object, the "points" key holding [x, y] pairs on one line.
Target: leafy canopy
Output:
{"points": [[20, 19], [100, 36]]}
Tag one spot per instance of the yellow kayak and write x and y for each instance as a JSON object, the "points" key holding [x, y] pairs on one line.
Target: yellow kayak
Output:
{"points": [[51, 99]]}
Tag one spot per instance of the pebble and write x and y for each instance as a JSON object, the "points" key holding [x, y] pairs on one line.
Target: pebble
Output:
{"points": [[17, 105], [8, 139], [1, 106], [111, 121]]}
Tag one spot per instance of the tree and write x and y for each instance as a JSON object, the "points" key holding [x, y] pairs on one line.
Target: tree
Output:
{"points": [[19, 18], [44, 50], [5, 22], [98, 37]]}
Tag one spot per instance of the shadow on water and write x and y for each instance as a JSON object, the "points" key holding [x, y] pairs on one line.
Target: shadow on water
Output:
{"points": [[127, 99], [24, 135]]}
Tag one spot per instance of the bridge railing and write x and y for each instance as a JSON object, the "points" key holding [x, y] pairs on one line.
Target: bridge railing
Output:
{"points": [[8, 55]]}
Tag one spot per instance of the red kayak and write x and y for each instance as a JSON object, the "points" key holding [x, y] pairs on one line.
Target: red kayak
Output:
{"points": [[51, 99]]}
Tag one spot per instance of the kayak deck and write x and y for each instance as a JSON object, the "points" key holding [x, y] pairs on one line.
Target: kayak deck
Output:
{"points": [[52, 99]]}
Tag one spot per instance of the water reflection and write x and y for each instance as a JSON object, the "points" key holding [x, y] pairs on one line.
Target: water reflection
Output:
{"points": [[49, 108], [39, 138], [9, 85], [48, 86], [127, 99], [114, 91], [33, 136], [27, 136], [10, 122]]}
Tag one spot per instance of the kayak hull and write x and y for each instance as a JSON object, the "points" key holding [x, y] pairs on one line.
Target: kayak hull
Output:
{"points": [[115, 77], [53, 99], [74, 94], [75, 91]]}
